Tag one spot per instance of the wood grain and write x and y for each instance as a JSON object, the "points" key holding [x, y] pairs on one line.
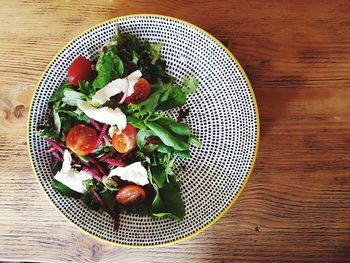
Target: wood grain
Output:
{"points": [[296, 206]]}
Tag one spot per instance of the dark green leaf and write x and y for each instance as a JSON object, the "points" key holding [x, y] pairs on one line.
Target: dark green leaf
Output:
{"points": [[86, 88], [109, 66], [64, 189], [167, 137], [141, 137], [176, 127], [58, 95], [90, 202], [49, 133], [168, 202], [158, 175]]}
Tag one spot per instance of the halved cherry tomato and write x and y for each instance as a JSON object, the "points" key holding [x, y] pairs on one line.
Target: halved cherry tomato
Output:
{"points": [[126, 140], [81, 139], [142, 90], [80, 69], [130, 195]]}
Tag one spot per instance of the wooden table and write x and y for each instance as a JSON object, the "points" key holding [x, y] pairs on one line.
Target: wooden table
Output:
{"points": [[296, 205]]}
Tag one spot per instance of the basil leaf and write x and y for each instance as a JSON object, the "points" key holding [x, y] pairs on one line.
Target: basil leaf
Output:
{"points": [[141, 137]]}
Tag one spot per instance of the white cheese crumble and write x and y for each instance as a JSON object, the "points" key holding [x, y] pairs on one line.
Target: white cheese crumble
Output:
{"points": [[134, 172], [104, 114], [70, 177], [116, 86]]}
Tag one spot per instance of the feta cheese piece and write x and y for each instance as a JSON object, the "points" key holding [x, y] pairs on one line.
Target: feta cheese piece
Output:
{"points": [[70, 177], [134, 172], [116, 86], [104, 114]]}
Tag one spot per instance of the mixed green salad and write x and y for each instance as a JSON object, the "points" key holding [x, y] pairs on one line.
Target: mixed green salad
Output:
{"points": [[113, 145]]}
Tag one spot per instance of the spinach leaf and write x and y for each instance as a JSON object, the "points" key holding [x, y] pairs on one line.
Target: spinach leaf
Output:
{"points": [[168, 202], [64, 189], [167, 137], [174, 126], [158, 175], [141, 137]]}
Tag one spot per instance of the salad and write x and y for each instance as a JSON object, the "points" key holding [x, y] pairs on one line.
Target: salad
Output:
{"points": [[112, 143]]}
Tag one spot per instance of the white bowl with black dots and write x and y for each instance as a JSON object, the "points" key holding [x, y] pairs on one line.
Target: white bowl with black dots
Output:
{"points": [[223, 115]]}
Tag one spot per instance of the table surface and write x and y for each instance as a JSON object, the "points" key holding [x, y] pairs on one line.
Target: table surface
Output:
{"points": [[296, 205]]}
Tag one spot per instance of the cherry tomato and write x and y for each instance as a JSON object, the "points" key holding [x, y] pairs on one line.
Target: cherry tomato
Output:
{"points": [[126, 140], [81, 139], [130, 195], [142, 90], [80, 69]]}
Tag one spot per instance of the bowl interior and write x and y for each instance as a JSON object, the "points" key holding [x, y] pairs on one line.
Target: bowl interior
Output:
{"points": [[222, 115]]}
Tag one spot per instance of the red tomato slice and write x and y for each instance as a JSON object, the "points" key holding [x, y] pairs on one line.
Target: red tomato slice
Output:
{"points": [[142, 90], [81, 139], [126, 140], [130, 195], [80, 69]]}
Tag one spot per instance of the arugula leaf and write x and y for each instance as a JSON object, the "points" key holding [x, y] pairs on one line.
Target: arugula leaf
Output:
{"points": [[64, 189], [109, 67], [145, 107], [162, 148]]}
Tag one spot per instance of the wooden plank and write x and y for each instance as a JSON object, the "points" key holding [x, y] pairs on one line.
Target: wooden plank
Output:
{"points": [[296, 204]]}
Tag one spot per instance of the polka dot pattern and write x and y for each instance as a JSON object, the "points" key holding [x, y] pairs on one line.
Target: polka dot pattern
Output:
{"points": [[222, 115]]}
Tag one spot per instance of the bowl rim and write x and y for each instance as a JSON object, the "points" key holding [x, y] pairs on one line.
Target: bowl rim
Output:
{"points": [[212, 222]]}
